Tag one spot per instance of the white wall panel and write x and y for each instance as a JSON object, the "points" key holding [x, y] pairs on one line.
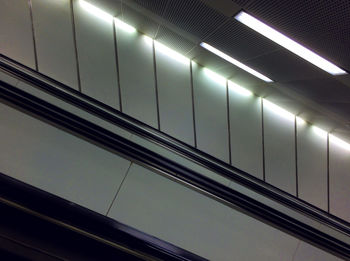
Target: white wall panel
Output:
{"points": [[54, 40], [246, 133], [279, 140], [312, 165], [16, 39], [339, 180], [137, 78], [60, 163], [179, 215], [174, 94], [96, 56], [210, 104]]}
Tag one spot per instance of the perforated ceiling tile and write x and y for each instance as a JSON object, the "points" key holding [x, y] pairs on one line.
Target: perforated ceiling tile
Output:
{"points": [[322, 26], [139, 21], [240, 42], [194, 16], [325, 90], [174, 40], [284, 66], [241, 2], [156, 6]]}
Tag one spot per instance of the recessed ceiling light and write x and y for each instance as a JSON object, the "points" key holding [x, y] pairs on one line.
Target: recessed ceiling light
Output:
{"points": [[288, 43], [235, 62]]}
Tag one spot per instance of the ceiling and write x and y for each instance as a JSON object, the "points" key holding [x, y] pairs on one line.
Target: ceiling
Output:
{"points": [[321, 25]]}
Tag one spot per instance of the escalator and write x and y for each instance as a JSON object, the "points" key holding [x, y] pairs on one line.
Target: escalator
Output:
{"points": [[40, 223]]}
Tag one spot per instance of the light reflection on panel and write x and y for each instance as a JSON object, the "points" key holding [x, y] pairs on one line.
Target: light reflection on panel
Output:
{"points": [[137, 78], [339, 179], [279, 144], [96, 55], [210, 103], [54, 40], [312, 165], [246, 133], [174, 93]]}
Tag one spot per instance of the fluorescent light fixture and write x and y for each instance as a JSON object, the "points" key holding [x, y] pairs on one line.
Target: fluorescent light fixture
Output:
{"points": [[300, 121], [124, 26], [96, 11], [339, 142], [171, 53], [239, 89], [235, 62], [288, 43], [215, 77], [320, 132], [278, 110]]}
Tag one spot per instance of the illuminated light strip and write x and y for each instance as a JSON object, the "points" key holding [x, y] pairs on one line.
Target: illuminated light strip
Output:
{"points": [[239, 89], [216, 77], [171, 53], [320, 132], [288, 43], [300, 121], [339, 142], [96, 11], [124, 26], [278, 110], [235, 62], [175, 55]]}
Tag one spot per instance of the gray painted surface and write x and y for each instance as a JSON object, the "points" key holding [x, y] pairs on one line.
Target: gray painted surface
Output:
{"points": [[54, 40], [312, 166], [210, 104], [16, 39], [279, 140], [137, 78], [60, 163], [188, 219], [96, 56], [308, 252], [339, 180], [175, 100], [246, 133]]}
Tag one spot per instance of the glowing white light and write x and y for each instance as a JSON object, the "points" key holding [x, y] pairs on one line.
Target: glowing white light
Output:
{"points": [[148, 40], [214, 76], [96, 11], [322, 133], [300, 121], [339, 142], [124, 26], [235, 62], [278, 110], [239, 89], [288, 43], [171, 53]]}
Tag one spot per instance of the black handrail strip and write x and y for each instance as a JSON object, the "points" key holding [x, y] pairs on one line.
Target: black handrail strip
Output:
{"points": [[157, 162], [145, 131], [61, 212]]}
